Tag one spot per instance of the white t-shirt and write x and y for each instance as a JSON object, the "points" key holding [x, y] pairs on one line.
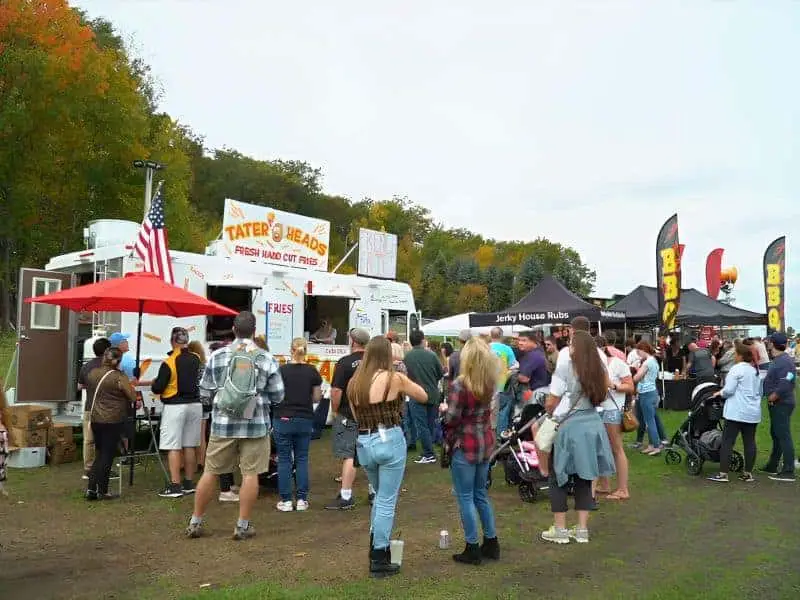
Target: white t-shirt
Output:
{"points": [[634, 360], [561, 375], [618, 370]]}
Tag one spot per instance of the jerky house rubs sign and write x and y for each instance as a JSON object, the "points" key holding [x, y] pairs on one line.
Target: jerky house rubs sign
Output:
{"points": [[273, 236]]}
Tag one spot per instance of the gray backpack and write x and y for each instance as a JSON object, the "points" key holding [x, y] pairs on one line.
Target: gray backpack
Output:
{"points": [[239, 389]]}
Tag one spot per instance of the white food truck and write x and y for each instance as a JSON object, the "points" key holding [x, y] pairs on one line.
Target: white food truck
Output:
{"points": [[272, 263]]}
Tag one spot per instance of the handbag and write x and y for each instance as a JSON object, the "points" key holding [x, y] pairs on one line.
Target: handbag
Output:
{"points": [[548, 428], [629, 421]]}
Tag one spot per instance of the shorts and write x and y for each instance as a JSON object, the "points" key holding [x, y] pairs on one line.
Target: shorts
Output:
{"points": [[180, 426], [223, 455], [345, 434], [612, 417]]}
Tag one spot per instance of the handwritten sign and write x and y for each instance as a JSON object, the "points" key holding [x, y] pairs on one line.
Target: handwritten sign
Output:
{"points": [[377, 254]]}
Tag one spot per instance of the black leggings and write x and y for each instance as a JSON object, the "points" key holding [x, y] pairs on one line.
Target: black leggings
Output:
{"points": [[558, 494], [106, 439], [729, 434]]}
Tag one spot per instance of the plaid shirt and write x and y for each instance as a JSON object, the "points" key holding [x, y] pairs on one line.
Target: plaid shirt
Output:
{"points": [[468, 425], [269, 386]]}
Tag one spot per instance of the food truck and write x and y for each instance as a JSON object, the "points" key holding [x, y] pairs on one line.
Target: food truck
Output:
{"points": [[267, 261]]}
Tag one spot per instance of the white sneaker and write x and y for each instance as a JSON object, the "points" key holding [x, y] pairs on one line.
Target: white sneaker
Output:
{"points": [[285, 506], [228, 496], [235, 489], [302, 505]]}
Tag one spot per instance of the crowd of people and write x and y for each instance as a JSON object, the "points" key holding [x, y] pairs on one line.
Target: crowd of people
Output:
{"points": [[220, 413]]}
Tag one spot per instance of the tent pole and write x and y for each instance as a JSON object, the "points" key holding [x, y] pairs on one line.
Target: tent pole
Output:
{"points": [[136, 374]]}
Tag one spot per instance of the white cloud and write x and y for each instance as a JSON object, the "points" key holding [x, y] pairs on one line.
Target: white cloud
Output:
{"points": [[587, 123]]}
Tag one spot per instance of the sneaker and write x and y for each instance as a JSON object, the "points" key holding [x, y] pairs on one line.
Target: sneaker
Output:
{"points": [[340, 503], [173, 490], [91, 495], [228, 497], [787, 477], [241, 533], [747, 477], [719, 478], [425, 460], [768, 470], [556, 535], [579, 535], [188, 487], [635, 445], [285, 506], [302, 505], [235, 489], [85, 477], [194, 530]]}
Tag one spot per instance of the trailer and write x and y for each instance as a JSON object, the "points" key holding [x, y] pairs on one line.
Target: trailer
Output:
{"points": [[288, 301]]}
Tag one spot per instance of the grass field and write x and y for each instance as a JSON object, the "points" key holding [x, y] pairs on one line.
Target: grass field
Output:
{"points": [[678, 537]]}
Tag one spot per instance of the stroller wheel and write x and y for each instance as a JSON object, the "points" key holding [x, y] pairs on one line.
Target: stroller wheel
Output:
{"points": [[737, 462], [694, 466], [672, 457], [527, 492]]}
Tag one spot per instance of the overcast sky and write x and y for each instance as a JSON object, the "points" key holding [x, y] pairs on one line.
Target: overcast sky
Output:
{"points": [[586, 122]]}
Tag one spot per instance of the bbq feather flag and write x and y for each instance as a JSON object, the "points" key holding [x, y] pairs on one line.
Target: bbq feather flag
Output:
{"points": [[151, 244]]}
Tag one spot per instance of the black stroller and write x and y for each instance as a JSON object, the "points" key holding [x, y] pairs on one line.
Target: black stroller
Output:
{"points": [[700, 436], [516, 456]]}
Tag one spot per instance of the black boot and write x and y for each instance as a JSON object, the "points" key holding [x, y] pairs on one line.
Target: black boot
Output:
{"points": [[490, 548], [371, 540], [470, 556], [380, 564]]}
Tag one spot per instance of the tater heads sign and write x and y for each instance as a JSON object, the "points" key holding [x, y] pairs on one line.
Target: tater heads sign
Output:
{"points": [[266, 235]]}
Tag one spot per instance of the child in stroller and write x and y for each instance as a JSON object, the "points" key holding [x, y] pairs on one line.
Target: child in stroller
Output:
{"points": [[519, 456], [700, 435]]}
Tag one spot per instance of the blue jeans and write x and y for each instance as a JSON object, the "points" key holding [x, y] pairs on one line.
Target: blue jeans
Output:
{"points": [[424, 417], [293, 436], [408, 425], [385, 463], [649, 402], [469, 481], [780, 416], [505, 408]]}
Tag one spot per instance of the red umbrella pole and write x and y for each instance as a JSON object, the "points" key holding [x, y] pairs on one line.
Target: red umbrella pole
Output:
{"points": [[137, 374]]}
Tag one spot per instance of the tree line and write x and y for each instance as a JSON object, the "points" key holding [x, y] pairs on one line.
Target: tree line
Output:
{"points": [[76, 109]]}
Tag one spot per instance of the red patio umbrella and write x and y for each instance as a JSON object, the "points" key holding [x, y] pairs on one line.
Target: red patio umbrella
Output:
{"points": [[138, 293]]}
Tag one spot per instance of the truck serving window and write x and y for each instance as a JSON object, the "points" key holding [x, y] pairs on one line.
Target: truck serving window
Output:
{"points": [[236, 298]]}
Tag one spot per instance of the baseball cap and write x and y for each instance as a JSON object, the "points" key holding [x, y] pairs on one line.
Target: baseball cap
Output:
{"points": [[464, 335], [778, 338], [179, 336], [360, 336], [115, 339]]}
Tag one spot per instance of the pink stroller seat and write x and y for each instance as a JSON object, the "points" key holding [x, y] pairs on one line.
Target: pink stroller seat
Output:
{"points": [[529, 454]]}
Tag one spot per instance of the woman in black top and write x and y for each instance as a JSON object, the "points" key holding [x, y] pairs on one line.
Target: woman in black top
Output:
{"points": [[293, 424]]}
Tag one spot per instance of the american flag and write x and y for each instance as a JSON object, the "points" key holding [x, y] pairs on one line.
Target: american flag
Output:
{"points": [[151, 245]]}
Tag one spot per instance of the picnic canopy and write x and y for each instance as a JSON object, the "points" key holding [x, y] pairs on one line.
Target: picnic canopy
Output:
{"points": [[453, 325], [548, 303], [641, 309]]}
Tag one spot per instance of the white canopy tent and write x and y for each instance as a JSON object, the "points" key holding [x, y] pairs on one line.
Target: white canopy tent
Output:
{"points": [[452, 326]]}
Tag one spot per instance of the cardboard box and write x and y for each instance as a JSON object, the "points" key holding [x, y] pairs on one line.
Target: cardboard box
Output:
{"points": [[60, 433], [29, 438], [62, 453], [30, 416]]}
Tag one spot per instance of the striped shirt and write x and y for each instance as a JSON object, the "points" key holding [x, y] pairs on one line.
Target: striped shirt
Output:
{"points": [[269, 387]]}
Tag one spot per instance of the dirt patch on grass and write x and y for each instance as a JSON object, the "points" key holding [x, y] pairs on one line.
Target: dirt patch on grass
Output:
{"points": [[54, 545]]}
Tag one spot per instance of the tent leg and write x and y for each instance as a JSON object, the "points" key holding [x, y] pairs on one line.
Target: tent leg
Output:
{"points": [[136, 374]]}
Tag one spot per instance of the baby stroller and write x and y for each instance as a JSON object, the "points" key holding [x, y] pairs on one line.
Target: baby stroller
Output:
{"points": [[700, 436], [518, 456], [269, 479]]}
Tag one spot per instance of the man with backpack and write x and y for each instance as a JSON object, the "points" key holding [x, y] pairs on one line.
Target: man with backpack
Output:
{"points": [[244, 381]]}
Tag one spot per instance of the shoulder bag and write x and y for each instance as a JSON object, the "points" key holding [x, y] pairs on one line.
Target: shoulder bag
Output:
{"points": [[629, 421], [548, 428]]}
